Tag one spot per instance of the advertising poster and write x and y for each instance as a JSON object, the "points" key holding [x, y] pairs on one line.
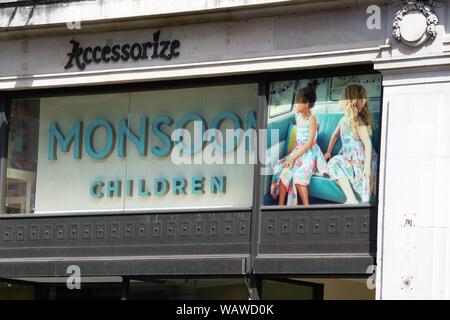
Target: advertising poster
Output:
{"points": [[328, 141]]}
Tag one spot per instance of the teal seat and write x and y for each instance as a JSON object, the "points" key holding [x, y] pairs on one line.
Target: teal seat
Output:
{"points": [[326, 189]]}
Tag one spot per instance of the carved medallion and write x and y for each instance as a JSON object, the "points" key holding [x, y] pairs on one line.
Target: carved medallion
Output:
{"points": [[415, 23]]}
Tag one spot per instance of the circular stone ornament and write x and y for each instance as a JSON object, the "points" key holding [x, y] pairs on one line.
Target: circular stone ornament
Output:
{"points": [[414, 24]]}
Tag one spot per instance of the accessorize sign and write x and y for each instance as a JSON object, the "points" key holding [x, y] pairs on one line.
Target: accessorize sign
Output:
{"points": [[116, 151], [158, 48]]}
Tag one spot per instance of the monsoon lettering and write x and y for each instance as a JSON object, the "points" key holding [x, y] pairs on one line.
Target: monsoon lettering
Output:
{"points": [[84, 142]]}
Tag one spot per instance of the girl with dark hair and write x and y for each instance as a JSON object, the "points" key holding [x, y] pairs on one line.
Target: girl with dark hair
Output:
{"points": [[293, 173]]}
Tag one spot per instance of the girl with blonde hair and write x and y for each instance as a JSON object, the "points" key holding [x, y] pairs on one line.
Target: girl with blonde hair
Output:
{"points": [[354, 167]]}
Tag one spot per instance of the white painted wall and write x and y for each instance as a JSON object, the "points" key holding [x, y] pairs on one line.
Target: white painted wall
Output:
{"points": [[413, 256], [414, 201]]}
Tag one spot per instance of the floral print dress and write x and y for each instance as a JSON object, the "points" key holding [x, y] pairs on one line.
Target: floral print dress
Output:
{"points": [[349, 163], [304, 167]]}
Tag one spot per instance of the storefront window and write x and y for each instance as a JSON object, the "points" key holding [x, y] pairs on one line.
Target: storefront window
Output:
{"points": [[170, 149], [133, 151], [323, 141], [283, 289], [17, 291], [22, 156], [189, 289]]}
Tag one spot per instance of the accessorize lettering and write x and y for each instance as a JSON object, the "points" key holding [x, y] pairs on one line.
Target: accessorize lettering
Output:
{"points": [[82, 57]]}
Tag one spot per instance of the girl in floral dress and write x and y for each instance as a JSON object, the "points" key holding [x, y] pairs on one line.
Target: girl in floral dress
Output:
{"points": [[293, 173], [354, 168]]}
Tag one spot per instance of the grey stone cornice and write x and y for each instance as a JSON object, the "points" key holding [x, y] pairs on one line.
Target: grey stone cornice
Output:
{"points": [[413, 63], [107, 15]]}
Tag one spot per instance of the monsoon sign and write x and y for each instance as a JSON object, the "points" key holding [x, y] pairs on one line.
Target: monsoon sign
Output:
{"points": [[116, 138], [145, 150]]}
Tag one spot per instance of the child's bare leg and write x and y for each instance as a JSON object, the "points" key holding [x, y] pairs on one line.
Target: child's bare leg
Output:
{"points": [[347, 189], [282, 195], [303, 191]]}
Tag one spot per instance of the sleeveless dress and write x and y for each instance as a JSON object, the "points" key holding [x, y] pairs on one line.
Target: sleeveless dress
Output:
{"points": [[304, 167], [349, 163]]}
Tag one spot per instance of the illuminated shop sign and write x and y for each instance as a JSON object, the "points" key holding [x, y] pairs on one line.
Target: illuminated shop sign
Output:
{"points": [[157, 48], [139, 150], [81, 136]]}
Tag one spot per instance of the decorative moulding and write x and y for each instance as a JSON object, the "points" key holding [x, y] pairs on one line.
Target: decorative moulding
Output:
{"points": [[415, 23]]}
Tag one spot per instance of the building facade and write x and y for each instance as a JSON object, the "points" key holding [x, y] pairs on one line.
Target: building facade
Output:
{"points": [[99, 179]]}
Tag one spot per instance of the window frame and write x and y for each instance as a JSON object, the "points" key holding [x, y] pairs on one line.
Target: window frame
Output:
{"points": [[263, 81]]}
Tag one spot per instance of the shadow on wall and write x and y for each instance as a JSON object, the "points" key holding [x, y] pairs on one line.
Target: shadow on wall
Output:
{"points": [[14, 13]]}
